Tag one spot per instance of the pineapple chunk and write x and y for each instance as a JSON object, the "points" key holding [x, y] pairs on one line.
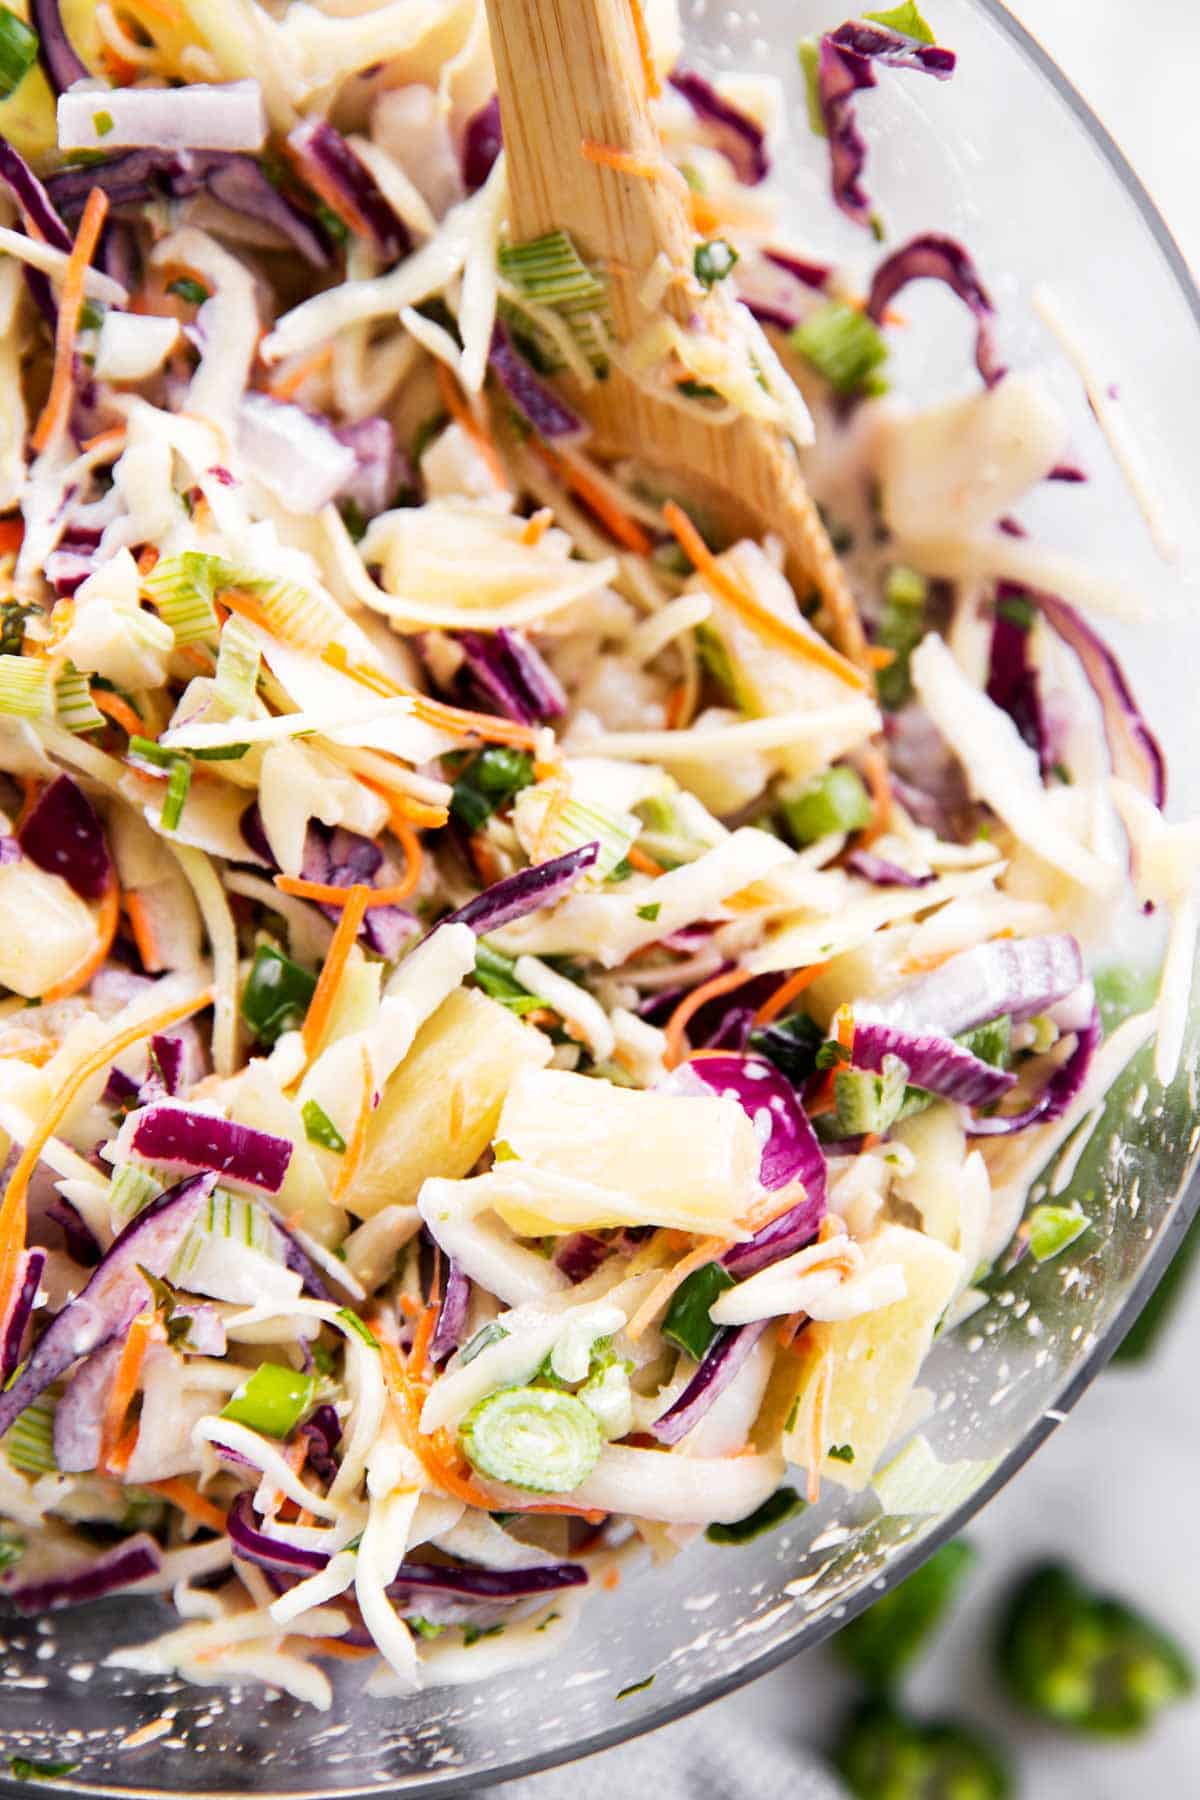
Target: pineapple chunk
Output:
{"points": [[662, 1159], [439, 1110], [46, 930], [873, 1360], [763, 680]]}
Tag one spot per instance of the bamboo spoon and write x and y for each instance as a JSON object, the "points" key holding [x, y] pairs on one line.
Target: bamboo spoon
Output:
{"points": [[569, 74]]}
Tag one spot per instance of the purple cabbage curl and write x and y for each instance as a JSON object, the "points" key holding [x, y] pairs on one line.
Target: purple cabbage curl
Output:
{"points": [[1013, 683], [340, 858], [774, 286], [1062, 1088], [110, 1573], [933, 1062], [322, 1433], [61, 61], [845, 67], [934, 258], [580, 1255], [542, 885], [114, 1296], [255, 1545], [546, 415], [510, 676], [1017, 976], [1135, 751], [739, 138], [36, 206], [724, 1359], [881, 872], [382, 468], [483, 141], [331, 161], [20, 1311], [62, 834], [451, 1324]]}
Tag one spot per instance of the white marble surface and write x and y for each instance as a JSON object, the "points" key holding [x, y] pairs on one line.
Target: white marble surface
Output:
{"points": [[1119, 1485]]}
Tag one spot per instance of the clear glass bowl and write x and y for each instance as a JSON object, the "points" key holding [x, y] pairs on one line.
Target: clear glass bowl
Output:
{"points": [[1006, 157]]}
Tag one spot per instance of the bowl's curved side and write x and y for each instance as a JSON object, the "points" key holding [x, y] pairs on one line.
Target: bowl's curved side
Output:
{"points": [[1010, 158]]}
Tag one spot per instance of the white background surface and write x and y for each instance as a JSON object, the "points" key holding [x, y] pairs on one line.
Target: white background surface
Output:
{"points": [[1117, 1489]]}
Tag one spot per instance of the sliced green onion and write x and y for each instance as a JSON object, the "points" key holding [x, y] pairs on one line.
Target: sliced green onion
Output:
{"points": [[24, 687], [845, 347], [237, 665], [549, 271], [486, 1335], [29, 1441], [182, 589], [574, 825], [177, 792], [713, 261], [273, 1400], [12, 626], [494, 974], [488, 783], [906, 19], [423, 1628], [687, 1322], [132, 1188], [809, 52], [276, 995], [783, 1504], [650, 911], [188, 289], [843, 1453], [232, 1218], [1053, 1228], [901, 628], [150, 751], [991, 1042], [534, 1438], [835, 801], [102, 123], [23, 1769], [220, 753], [319, 1128], [73, 702], [869, 1102], [358, 1326], [12, 1549], [18, 51]]}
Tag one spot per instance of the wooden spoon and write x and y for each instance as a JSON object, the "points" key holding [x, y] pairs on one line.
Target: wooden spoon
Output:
{"points": [[570, 74]]}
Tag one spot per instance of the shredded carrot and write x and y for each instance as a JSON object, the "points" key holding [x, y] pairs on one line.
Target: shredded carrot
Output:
{"points": [[62, 383], [404, 809], [611, 1578], [108, 914], [187, 1497], [811, 649], [113, 439], [165, 12], [326, 895], [645, 50], [142, 927], [147, 560], [537, 527], [788, 1328], [625, 162], [690, 1005], [30, 787], [352, 1159], [786, 992], [288, 385], [432, 1449], [120, 711], [330, 1646], [843, 1025], [12, 535], [422, 1338], [879, 785], [772, 1206], [618, 524], [334, 967], [462, 415], [125, 1386], [487, 863], [880, 657], [118, 1460], [676, 707], [645, 865], [487, 727], [706, 1251], [12, 1210]]}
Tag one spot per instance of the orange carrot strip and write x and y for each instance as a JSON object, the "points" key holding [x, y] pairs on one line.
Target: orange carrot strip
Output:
{"points": [[488, 727], [432, 1449], [288, 385], [611, 1578], [12, 535], [12, 1210], [125, 1385], [879, 784], [690, 1005], [645, 865], [403, 808], [422, 1338], [118, 1460], [352, 1159], [880, 657], [325, 895], [329, 1646], [537, 527], [58, 400], [811, 649], [334, 967], [147, 560], [626, 162], [787, 990], [618, 524], [120, 711], [187, 1497], [705, 1252], [462, 415], [142, 928], [645, 50], [113, 439], [107, 915]]}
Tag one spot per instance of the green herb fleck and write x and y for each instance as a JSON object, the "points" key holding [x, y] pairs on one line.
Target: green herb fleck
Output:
{"points": [[319, 1128], [25, 1770], [844, 346], [358, 1326], [843, 1453], [102, 123], [188, 289], [783, 1504], [809, 52], [714, 261], [650, 911]]}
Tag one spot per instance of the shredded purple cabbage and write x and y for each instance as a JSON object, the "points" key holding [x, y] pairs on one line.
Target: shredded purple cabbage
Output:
{"points": [[524, 892], [340, 858], [1017, 976], [78, 1237], [20, 1312], [128, 1563], [325, 151], [1013, 683], [113, 1297], [934, 258], [254, 1545], [934, 1062], [483, 141], [484, 1584], [724, 1359], [322, 1433], [1135, 751], [452, 1315], [56, 53], [845, 67], [510, 675], [546, 415], [31, 197], [79, 1415], [739, 138], [62, 834], [580, 1255], [382, 468], [182, 1137], [884, 873]]}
